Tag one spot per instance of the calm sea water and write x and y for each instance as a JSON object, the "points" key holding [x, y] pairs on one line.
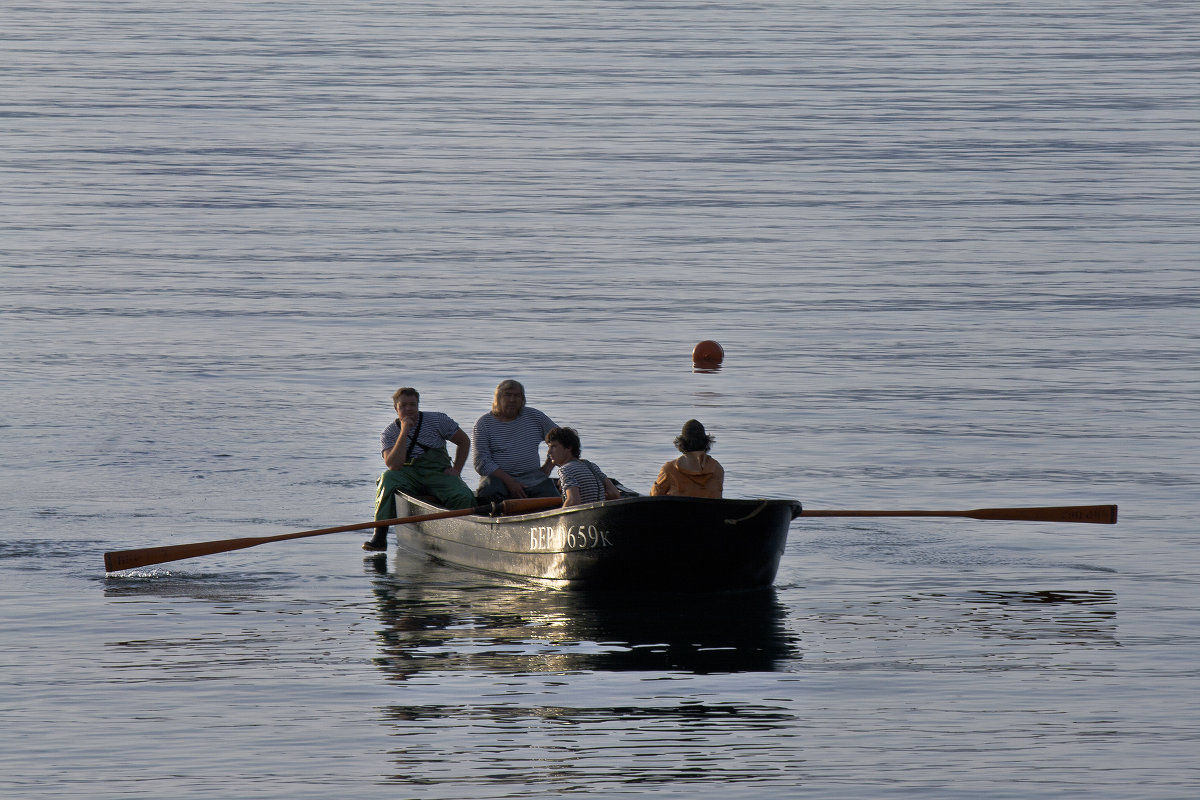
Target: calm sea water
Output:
{"points": [[949, 249]]}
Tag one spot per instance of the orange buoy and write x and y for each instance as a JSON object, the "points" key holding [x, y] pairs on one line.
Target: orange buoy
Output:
{"points": [[707, 354]]}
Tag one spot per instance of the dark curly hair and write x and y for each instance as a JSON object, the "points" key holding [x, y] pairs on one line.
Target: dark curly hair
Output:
{"points": [[567, 437], [693, 437]]}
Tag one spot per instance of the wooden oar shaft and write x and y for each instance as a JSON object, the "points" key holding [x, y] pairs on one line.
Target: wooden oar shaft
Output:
{"points": [[1105, 515], [117, 560]]}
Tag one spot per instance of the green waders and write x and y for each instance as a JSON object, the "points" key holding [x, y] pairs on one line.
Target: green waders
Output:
{"points": [[425, 474]]}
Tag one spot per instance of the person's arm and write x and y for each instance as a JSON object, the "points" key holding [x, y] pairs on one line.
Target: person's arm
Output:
{"points": [[462, 444], [514, 486], [547, 426], [484, 463], [571, 496], [394, 458], [611, 492], [662, 483]]}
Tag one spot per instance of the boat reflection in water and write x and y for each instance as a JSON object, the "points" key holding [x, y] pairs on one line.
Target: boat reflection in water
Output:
{"points": [[437, 618]]}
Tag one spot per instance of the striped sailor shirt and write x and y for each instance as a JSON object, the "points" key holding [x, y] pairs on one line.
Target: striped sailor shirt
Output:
{"points": [[511, 445], [585, 476], [436, 428]]}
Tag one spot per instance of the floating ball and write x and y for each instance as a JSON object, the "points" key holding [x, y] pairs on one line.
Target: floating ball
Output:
{"points": [[707, 354]]}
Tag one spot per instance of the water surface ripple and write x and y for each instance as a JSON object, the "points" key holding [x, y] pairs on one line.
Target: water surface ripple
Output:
{"points": [[949, 250]]}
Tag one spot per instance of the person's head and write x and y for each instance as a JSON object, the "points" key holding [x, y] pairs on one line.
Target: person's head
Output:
{"points": [[406, 399], [509, 399], [693, 437], [564, 445]]}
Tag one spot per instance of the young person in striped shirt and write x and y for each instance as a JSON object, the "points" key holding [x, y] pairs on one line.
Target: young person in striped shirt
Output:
{"points": [[507, 441], [581, 481]]}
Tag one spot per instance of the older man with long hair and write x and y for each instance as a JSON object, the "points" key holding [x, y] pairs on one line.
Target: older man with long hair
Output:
{"points": [[507, 441]]}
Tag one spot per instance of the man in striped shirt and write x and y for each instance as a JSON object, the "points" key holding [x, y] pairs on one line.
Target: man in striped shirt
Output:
{"points": [[507, 441], [414, 450]]}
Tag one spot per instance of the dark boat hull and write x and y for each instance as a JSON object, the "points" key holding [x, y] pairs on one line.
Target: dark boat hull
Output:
{"points": [[651, 543]]}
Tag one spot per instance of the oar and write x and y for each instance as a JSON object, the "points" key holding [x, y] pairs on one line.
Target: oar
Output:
{"points": [[117, 560], [1105, 515]]}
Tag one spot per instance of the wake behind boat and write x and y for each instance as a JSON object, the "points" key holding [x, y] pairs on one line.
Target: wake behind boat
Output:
{"points": [[667, 543]]}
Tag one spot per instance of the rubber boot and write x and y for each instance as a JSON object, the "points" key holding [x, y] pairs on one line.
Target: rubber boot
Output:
{"points": [[378, 542]]}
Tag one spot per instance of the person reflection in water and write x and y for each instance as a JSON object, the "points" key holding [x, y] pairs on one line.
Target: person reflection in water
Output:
{"points": [[581, 481], [695, 473]]}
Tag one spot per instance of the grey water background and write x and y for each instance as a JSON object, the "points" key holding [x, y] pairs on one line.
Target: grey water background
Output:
{"points": [[950, 250]]}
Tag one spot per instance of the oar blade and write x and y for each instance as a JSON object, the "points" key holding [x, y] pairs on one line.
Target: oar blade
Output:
{"points": [[118, 560], [1102, 515]]}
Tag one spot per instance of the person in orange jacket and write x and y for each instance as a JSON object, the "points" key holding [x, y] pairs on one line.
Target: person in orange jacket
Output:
{"points": [[695, 473]]}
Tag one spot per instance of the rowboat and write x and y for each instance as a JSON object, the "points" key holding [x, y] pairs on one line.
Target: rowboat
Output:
{"points": [[664, 543]]}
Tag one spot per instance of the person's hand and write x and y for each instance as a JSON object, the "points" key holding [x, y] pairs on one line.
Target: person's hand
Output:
{"points": [[456, 472], [515, 488]]}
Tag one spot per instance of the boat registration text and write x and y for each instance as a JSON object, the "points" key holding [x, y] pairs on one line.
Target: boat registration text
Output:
{"points": [[576, 537]]}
